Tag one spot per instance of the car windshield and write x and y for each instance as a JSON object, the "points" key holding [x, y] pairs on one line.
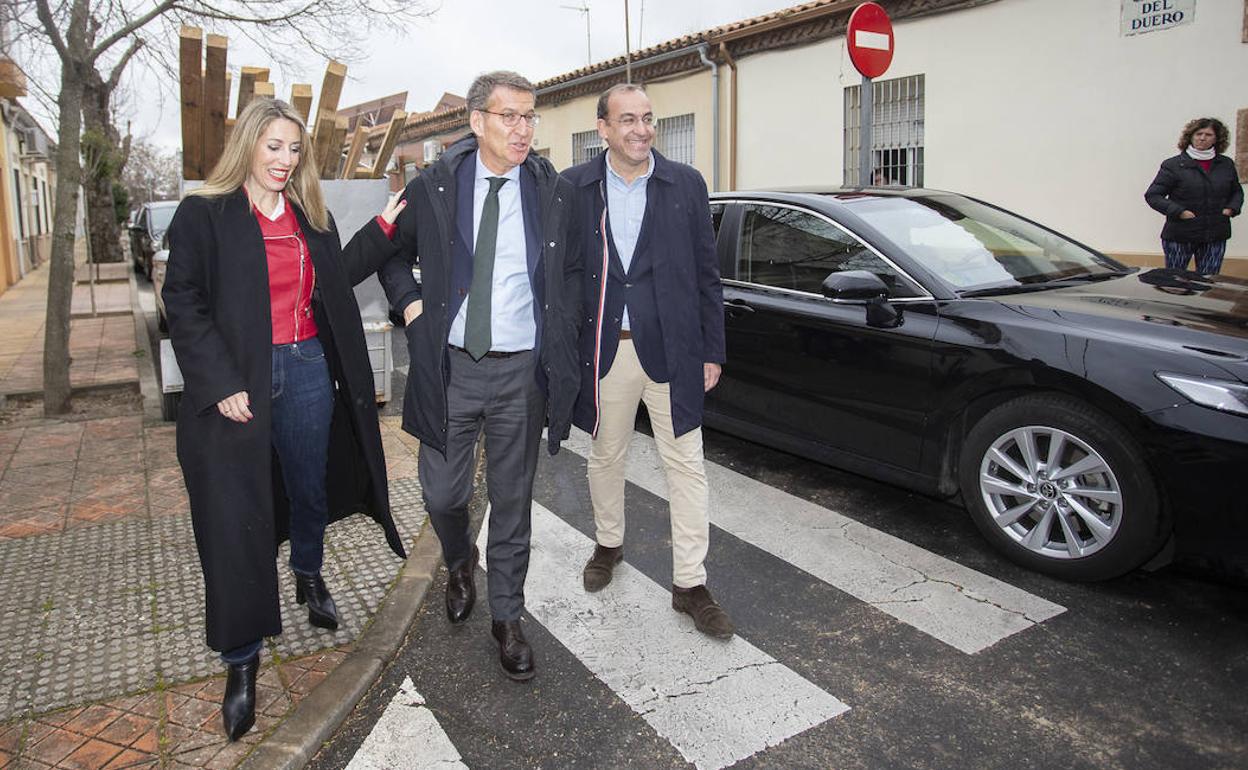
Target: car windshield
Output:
{"points": [[974, 246], [161, 217]]}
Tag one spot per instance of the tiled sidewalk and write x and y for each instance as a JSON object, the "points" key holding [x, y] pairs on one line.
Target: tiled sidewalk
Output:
{"points": [[102, 347], [102, 655]]}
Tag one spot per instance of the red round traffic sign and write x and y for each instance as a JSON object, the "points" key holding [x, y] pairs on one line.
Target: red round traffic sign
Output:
{"points": [[870, 40]]}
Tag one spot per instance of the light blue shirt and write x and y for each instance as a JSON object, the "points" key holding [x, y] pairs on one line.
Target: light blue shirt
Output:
{"points": [[512, 326], [626, 208]]}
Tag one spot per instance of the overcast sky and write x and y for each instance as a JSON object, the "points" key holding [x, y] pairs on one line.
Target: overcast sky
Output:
{"points": [[538, 38]]}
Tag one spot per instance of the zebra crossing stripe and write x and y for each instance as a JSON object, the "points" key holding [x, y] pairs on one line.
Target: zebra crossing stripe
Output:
{"points": [[716, 702], [961, 607], [408, 736]]}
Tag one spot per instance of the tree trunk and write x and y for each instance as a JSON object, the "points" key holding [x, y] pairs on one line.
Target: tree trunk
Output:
{"points": [[56, 390], [103, 167]]}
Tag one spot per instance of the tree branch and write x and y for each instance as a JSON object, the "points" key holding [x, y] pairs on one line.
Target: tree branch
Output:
{"points": [[132, 26], [49, 29], [114, 77]]}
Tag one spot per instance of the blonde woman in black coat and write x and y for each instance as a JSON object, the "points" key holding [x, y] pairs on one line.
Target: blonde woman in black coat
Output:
{"points": [[1198, 191], [277, 430]]}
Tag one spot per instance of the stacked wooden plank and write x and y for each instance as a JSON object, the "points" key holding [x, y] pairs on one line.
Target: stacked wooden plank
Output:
{"points": [[204, 84]]}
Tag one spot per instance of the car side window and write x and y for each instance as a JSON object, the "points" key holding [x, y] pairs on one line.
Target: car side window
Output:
{"points": [[792, 249], [717, 216]]}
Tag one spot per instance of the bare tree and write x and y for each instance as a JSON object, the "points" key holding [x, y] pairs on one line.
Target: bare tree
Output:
{"points": [[151, 174], [86, 37]]}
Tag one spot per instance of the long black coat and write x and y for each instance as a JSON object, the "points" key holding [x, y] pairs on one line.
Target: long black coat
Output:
{"points": [[1181, 184], [217, 301], [677, 235], [431, 236]]}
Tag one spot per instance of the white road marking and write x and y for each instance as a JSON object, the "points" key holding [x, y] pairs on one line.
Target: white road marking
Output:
{"points": [[716, 702], [875, 40], [961, 607], [407, 735]]}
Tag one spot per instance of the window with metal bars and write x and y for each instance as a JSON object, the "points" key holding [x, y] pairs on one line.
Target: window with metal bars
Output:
{"points": [[896, 132], [585, 146], [675, 138]]}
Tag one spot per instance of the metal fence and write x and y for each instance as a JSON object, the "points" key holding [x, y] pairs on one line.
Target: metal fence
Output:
{"points": [[896, 131]]}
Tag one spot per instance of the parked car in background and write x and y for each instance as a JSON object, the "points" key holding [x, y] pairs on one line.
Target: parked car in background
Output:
{"points": [[1092, 416], [147, 227]]}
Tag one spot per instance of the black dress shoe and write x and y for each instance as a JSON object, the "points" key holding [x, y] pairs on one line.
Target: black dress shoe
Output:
{"points": [[238, 707], [461, 589], [514, 651], [322, 612]]}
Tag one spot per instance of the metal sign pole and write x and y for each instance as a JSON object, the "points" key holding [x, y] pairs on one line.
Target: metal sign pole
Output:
{"points": [[866, 109]]}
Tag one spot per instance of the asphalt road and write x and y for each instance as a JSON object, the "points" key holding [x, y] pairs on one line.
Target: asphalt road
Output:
{"points": [[876, 630]]}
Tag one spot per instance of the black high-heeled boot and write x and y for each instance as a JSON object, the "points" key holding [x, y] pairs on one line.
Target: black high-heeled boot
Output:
{"points": [[322, 612], [238, 707]]}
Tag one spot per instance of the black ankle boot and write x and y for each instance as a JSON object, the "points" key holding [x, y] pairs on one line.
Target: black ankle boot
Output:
{"points": [[322, 612], [238, 707]]}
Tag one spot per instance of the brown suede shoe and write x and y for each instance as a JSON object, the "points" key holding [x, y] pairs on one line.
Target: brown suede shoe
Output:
{"points": [[708, 617], [600, 566]]}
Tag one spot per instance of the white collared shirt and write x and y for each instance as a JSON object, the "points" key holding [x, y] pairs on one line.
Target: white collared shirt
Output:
{"points": [[512, 326]]}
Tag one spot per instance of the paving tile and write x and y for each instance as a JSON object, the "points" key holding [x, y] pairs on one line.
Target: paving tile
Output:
{"points": [[132, 759], [11, 737], [193, 713], [91, 755], [127, 728], [228, 757], [148, 742], [54, 746], [92, 720]]}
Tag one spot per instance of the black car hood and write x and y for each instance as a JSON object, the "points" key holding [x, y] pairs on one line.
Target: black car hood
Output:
{"points": [[1150, 302]]}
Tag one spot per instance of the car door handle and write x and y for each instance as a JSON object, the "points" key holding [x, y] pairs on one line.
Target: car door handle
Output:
{"points": [[737, 306]]}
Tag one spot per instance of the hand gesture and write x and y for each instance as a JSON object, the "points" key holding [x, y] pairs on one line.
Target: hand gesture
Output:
{"points": [[393, 207], [236, 407]]}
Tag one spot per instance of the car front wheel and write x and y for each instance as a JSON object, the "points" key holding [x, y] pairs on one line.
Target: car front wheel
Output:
{"points": [[1060, 487]]}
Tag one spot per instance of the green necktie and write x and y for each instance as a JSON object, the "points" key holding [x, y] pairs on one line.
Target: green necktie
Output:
{"points": [[477, 326]]}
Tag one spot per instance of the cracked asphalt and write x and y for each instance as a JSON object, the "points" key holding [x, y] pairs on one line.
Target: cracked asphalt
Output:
{"points": [[1146, 671]]}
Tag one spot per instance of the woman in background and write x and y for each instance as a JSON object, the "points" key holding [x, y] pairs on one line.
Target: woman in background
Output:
{"points": [[1198, 191], [278, 390]]}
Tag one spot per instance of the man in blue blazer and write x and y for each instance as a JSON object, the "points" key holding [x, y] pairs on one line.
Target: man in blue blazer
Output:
{"points": [[654, 332], [494, 349]]}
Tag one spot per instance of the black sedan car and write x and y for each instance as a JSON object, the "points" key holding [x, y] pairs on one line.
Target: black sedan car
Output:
{"points": [[1092, 416]]}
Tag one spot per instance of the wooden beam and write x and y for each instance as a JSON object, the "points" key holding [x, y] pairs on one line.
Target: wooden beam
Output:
{"points": [[358, 140], [397, 121], [301, 99], [331, 87], [190, 83], [229, 129], [323, 132], [247, 79], [322, 135], [263, 89], [216, 100], [334, 158]]}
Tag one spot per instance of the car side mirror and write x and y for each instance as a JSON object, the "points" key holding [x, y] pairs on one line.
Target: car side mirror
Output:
{"points": [[854, 285], [882, 314]]}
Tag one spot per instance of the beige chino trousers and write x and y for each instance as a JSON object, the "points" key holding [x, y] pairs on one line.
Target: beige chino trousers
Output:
{"points": [[625, 386]]}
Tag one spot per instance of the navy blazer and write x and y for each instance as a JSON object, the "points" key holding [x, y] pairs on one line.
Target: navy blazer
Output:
{"points": [[677, 247], [435, 234]]}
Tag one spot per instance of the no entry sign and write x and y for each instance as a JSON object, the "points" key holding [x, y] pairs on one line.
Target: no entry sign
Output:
{"points": [[870, 40]]}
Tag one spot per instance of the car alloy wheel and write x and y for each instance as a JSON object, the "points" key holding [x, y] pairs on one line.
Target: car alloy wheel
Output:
{"points": [[1051, 492], [1061, 487]]}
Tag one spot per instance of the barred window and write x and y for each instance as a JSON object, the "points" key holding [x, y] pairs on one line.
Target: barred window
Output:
{"points": [[585, 146], [896, 131], [675, 139]]}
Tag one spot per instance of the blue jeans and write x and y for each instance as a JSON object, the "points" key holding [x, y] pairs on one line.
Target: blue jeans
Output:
{"points": [[302, 406]]}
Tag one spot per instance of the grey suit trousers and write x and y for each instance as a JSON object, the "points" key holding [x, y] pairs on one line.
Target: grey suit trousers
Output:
{"points": [[501, 397]]}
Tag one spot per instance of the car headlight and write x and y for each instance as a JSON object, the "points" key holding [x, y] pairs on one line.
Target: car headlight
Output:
{"points": [[1223, 395]]}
